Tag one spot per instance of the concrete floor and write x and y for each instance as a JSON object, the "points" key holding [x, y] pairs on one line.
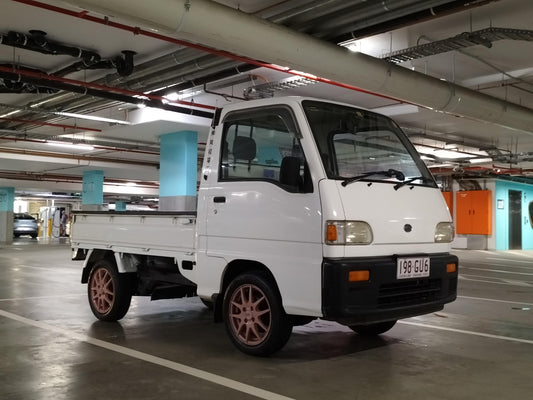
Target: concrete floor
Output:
{"points": [[51, 346]]}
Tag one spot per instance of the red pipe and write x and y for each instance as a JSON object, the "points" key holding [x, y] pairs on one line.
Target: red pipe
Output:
{"points": [[26, 121], [97, 147], [43, 76], [29, 176], [138, 31]]}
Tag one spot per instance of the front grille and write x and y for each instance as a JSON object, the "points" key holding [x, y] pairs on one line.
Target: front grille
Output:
{"points": [[409, 292]]}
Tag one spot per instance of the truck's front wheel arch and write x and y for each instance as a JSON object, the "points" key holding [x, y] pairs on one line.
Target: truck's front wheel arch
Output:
{"points": [[239, 267], [253, 313], [232, 270]]}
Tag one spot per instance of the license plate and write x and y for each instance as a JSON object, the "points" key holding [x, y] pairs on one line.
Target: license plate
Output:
{"points": [[412, 267]]}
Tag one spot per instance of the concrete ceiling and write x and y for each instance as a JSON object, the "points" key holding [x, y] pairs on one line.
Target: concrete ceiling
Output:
{"points": [[128, 154]]}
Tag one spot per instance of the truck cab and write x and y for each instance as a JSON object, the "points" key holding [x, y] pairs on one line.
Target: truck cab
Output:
{"points": [[332, 204]]}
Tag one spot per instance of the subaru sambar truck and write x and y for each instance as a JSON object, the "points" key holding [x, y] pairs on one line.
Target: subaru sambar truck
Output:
{"points": [[306, 209]]}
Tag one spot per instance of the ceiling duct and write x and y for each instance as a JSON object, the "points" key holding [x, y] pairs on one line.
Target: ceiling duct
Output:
{"points": [[386, 22], [193, 22]]}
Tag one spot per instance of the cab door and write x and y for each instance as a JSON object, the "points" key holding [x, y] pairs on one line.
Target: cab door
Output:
{"points": [[264, 207]]}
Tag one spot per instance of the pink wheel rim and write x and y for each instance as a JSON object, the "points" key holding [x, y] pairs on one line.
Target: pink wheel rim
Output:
{"points": [[102, 291], [250, 315]]}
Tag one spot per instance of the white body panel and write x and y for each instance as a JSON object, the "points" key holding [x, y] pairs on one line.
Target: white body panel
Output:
{"points": [[261, 222], [388, 211], [147, 234]]}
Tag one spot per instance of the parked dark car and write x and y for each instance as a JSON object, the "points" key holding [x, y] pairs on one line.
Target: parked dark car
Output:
{"points": [[25, 224]]}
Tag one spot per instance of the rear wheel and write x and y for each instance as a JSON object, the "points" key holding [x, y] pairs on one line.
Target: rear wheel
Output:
{"points": [[373, 329], [109, 292], [254, 316]]}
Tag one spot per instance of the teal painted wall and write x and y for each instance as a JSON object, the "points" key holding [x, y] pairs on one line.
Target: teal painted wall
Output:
{"points": [[501, 204]]}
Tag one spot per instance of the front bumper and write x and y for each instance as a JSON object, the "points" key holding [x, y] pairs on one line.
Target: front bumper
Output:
{"points": [[384, 297]]}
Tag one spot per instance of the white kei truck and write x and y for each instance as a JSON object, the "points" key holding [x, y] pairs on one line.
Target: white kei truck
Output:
{"points": [[306, 209]]}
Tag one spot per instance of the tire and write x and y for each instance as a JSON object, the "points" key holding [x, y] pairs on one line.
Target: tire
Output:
{"points": [[209, 304], [108, 291], [373, 329], [255, 320]]}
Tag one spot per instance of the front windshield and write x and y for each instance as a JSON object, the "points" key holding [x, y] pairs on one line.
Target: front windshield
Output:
{"points": [[358, 145]]}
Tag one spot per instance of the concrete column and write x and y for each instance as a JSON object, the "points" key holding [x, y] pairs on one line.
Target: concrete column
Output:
{"points": [[178, 171], [7, 198], [92, 197]]}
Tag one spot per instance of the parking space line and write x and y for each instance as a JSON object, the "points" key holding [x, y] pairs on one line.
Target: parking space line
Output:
{"points": [[507, 261], [500, 271], [182, 368], [500, 281], [487, 335], [464, 264], [44, 297], [495, 300]]}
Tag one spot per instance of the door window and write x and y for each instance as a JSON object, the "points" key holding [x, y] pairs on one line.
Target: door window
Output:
{"points": [[264, 145]]}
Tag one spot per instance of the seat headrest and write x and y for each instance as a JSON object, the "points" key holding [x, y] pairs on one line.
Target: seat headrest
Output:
{"points": [[244, 148]]}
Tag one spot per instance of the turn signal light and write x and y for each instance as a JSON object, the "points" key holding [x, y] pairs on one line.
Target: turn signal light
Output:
{"points": [[348, 233], [332, 233], [451, 268], [359, 276]]}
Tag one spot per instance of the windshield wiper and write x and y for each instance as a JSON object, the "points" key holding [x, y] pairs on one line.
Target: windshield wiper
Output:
{"points": [[391, 173], [408, 181]]}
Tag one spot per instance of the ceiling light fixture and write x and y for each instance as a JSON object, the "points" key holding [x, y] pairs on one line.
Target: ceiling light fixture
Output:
{"points": [[77, 146], [10, 113], [92, 118], [173, 96], [396, 109], [440, 153], [480, 160]]}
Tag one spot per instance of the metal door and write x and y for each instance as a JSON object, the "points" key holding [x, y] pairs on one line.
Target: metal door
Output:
{"points": [[515, 219]]}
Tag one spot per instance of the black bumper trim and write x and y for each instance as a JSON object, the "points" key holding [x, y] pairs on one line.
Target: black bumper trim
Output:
{"points": [[384, 297]]}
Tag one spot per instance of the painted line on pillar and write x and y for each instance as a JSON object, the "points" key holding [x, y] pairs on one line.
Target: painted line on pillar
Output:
{"points": [[472, 333], [184, 369]]}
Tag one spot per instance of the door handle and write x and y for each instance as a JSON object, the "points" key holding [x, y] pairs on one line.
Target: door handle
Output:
{"points": [[219, 199]]}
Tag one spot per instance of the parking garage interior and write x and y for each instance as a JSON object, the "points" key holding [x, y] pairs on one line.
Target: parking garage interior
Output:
{"points": [[89, 91]]}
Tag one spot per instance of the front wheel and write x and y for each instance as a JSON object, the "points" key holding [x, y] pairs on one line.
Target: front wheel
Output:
{"points": [[109, 292], [254, 316], [373, 329]]}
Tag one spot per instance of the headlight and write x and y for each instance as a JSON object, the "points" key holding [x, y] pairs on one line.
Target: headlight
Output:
{"points": [[348, 232], [444, 232]]}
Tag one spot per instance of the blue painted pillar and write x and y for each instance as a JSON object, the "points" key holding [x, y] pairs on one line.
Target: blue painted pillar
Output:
{"points": [[120, 206], [178, 171], [92, 196], [7, 198]]}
